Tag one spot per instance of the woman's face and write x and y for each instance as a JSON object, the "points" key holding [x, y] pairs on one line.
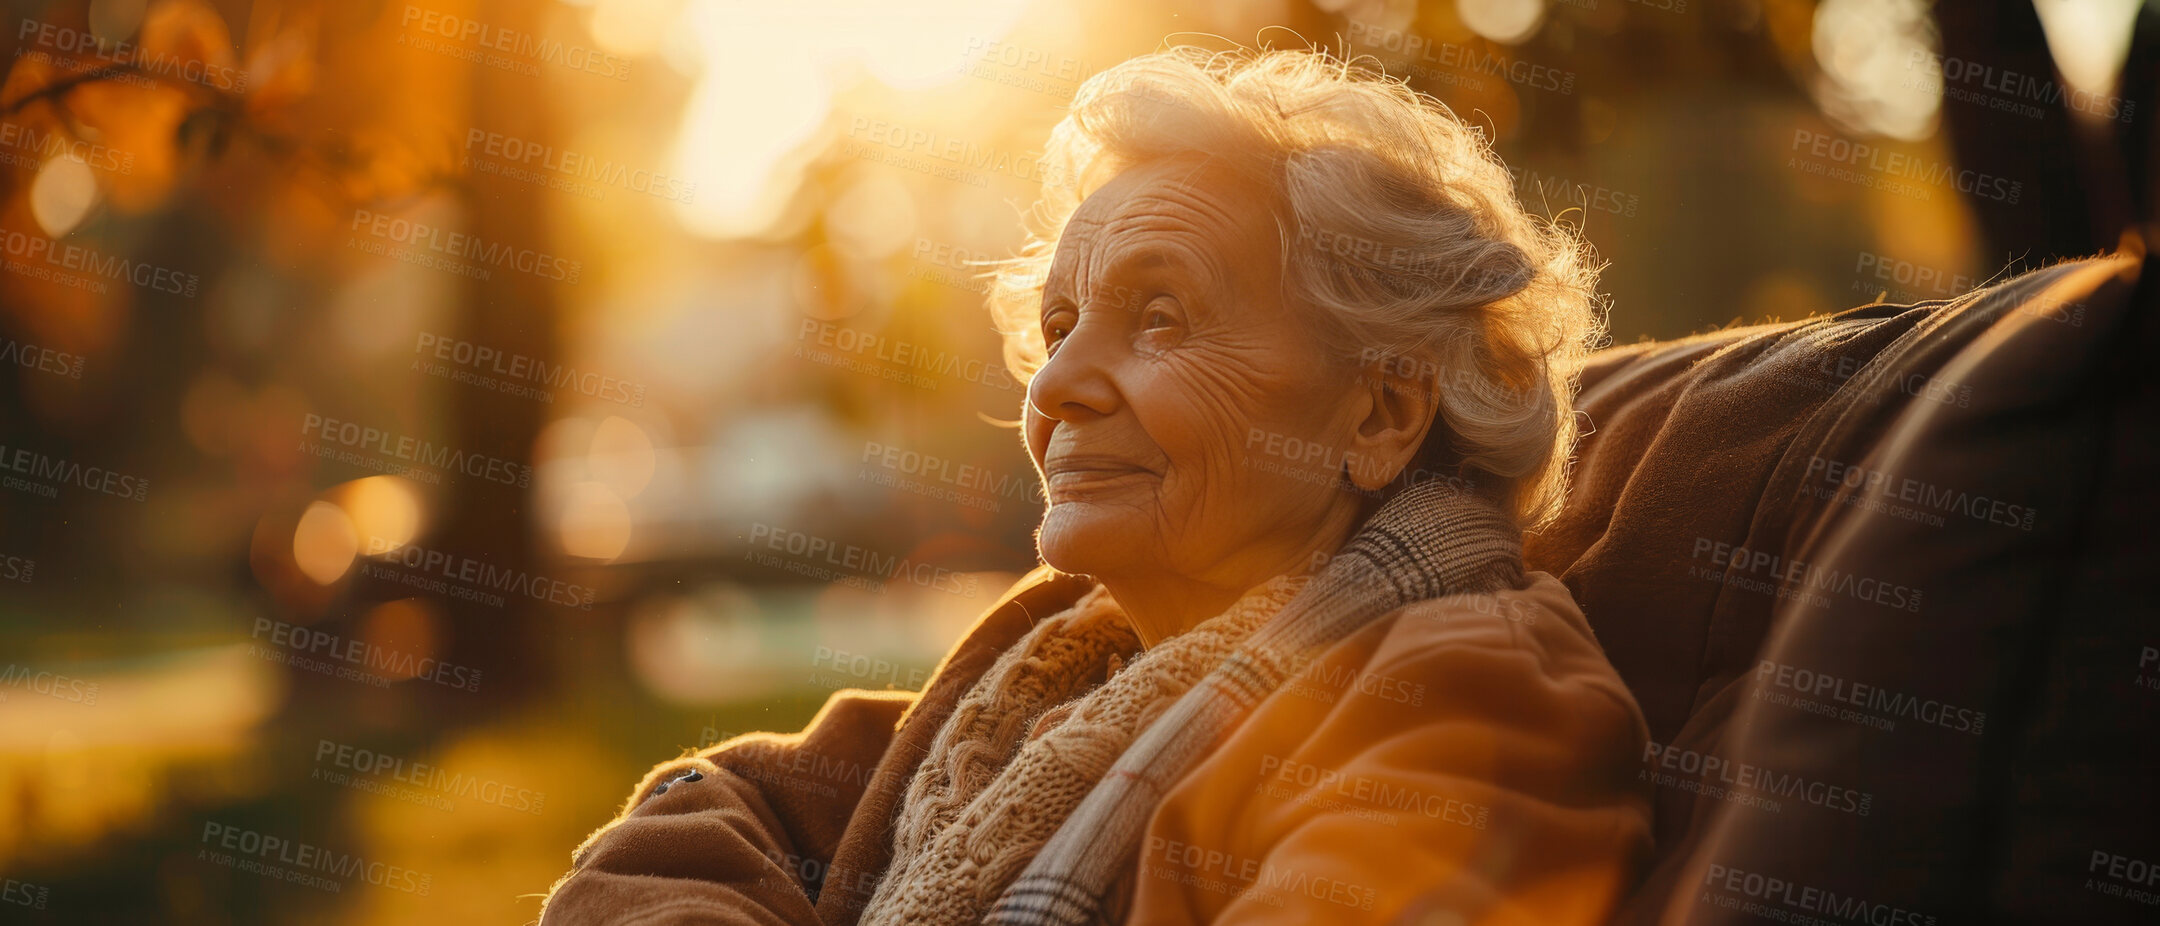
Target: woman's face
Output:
{"points": [[1173, 421]]}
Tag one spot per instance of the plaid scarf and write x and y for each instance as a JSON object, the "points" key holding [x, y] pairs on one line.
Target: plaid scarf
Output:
{"points": [[1429, 541]]}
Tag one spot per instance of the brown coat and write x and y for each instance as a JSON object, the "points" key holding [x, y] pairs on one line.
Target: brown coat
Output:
{"points": [[1469, 753]]}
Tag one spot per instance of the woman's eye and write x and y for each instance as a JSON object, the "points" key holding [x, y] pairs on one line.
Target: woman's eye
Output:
{"points": [[1157, 317]]}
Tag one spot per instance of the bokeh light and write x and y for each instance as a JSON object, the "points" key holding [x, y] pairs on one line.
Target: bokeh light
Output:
{"points": [[595, 523], [1868, 51], [62, 195], [324, 543], [621, 456], [384, 511], [1503, 21]]}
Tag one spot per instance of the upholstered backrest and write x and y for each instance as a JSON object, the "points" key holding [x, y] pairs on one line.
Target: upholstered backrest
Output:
{"points": [[1793, 539]]}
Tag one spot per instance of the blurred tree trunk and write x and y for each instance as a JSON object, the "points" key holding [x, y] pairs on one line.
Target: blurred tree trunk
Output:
{"points": [[2140, 138], [2084, 182], [514, 313]]}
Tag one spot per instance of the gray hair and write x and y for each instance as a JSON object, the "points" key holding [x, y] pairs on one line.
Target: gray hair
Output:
{"points": [[1400, 226]]}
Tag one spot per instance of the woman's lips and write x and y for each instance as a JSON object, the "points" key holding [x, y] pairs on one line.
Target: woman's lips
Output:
{"points": [[1075, 478]]}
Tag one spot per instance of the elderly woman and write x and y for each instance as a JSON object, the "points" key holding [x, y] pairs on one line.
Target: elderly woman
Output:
{"points": [[1299, 374]]}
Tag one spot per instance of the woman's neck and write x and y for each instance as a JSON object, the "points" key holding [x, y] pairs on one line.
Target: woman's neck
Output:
{"points": [[1163, 605], [1159, 613]]}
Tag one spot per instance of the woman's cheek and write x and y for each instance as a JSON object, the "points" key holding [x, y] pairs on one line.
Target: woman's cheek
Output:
{"points": [[1229, 486]]}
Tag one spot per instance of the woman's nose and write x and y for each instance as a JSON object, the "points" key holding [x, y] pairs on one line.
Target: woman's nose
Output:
{"points": [[1077, 381]]}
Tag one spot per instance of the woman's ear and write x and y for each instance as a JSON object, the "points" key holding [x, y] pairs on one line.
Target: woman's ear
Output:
{"points": [[1399, 408]]}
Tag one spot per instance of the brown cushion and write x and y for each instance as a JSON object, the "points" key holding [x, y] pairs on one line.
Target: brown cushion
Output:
{"points": [[1712, 503], [2004, 745], [1700, 447]]}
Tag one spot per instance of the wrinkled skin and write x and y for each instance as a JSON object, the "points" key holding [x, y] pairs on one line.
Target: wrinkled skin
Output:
{"points": [[1174, 356]]}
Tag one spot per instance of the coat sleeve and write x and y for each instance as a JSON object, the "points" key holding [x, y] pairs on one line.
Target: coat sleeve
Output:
{"points": [[1455, 766], [737, 834]]}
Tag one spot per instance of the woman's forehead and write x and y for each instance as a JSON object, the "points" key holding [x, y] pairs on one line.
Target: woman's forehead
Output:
{"points": [[1180, 212], [1202, 185]]}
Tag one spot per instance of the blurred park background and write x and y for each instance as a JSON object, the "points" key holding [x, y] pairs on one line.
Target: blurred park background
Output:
{"points": [[422, 416]]}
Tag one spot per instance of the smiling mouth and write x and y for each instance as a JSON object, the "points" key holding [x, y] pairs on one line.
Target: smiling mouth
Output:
{"points": [[1075, 479]]}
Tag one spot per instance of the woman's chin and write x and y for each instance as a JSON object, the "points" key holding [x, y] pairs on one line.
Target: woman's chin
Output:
{"points": [[1080, 539]]}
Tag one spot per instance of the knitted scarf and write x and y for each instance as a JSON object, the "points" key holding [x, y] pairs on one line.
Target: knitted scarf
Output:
{"points": [[1025, 744]]}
